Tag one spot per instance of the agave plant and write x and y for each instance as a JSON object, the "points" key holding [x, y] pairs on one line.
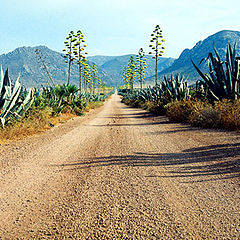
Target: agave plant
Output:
{"points": [[65, 97], [56, 97], [171, 89], [201, 90], [13, 101], [152, 94], [223, 80], [175, 88]]}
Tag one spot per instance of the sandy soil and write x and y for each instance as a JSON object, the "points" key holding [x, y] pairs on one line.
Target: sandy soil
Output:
{"points": [[121, 173]]}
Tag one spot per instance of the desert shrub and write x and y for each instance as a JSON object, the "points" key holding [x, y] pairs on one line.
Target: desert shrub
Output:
{"points": [[92, 105], [154, 107], [37, 117], [223, 114], [206, 118], [190, 111], [133, 102], [136, 103], [179, 111], [229, 111], [199, 112], [126, 101]]}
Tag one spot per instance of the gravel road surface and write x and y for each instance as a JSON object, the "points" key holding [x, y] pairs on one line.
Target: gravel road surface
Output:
{"points": [[121, 173]]}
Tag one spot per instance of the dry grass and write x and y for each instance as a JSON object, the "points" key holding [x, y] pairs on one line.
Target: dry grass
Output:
{"points": [[36, 122], [180, 111], [206, 118], [223, 114], [229, 113], [92, 105]]}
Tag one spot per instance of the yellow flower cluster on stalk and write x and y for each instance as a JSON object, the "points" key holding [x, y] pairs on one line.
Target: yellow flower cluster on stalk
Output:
{"points": [[124, 77], [99, 83], [141, 66], [157, 49], [75, 53], [135, 69], [86, 73], [94, 75], [131, 72], [80, 55], [69, 57]]}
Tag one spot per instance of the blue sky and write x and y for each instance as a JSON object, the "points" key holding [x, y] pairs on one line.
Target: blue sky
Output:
{"points": [[114, 27]]}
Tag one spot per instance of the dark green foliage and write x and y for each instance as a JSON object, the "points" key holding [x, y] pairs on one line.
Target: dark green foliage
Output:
{"points": [[174, 88], [65, 98], [171, 89], [223, 79]]}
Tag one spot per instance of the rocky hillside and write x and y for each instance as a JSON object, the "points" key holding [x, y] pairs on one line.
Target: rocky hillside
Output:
{"points": [[114, 65], [220, 40], [24, 60]]}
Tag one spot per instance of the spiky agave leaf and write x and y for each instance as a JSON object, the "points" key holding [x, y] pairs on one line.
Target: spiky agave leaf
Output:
{"points": [[223, 81]]}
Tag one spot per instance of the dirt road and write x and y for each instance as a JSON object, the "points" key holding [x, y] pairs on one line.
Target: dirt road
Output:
{"points": [[121, 173]]}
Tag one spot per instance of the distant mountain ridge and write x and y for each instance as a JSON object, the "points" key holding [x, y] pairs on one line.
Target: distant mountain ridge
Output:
{"points": [[201, 50], [24, 60], [115, 65], [100, 59]]}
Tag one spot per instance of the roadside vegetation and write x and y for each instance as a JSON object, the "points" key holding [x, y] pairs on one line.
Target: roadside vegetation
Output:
{"points": [[24, 112], [214, 102]]}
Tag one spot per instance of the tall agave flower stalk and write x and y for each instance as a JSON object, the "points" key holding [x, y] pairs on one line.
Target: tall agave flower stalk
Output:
{"points": [[40, 57], [131, 72], [94, 77], [157, 48], [69, 56], [141, 66], [86, 72], [125, 78], [99, 83], [80, 55]]}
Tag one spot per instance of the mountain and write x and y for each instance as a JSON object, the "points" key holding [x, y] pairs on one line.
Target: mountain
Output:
{"points": [[100, 59], [114, 65], [201, 50], [24, 60]]}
